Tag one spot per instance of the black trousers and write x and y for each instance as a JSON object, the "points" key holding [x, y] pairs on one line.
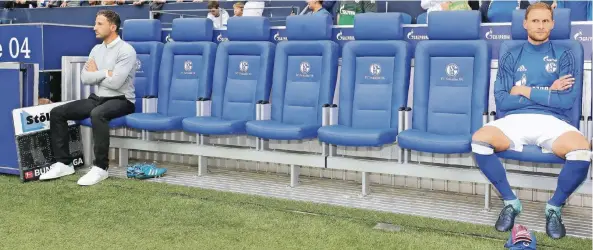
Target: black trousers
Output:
{"points": [[101, 110]]}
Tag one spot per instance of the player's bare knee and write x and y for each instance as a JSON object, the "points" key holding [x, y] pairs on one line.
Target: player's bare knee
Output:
{"points": [[482, 141], [573, 146]]}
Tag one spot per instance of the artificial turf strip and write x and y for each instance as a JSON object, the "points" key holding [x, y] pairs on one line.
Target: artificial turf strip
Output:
{"points": [[131, 214]]}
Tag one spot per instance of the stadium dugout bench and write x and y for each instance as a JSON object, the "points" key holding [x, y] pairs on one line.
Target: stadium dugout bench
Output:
{"points": [[450, 102]]}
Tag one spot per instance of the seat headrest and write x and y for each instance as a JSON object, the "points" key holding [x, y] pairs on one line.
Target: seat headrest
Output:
{"points": [[454, 25], [378, 26], [192, 30], [309, 27], [560, 31], [142, 30], [248, 28]]}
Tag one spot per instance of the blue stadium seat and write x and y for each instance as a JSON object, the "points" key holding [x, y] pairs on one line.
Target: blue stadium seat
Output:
{"points": [[421, 19], [242, 77], [451, 83], [560, 35], [305, 72], [406, 18], [374, 83], [145, 36], [185, 76]]}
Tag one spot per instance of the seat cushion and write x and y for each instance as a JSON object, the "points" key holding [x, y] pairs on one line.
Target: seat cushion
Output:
{"points": [[213, 125], [347, 136], [153, 121], [275, 130], [115, 123], [531, 153], [434, 143]]}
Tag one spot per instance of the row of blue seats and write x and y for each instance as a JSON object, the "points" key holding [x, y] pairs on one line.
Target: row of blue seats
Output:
{"points": [[225, 90]]}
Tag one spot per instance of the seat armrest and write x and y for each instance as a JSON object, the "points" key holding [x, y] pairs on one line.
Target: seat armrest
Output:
{"points": [[485, 118], [401, 119], [589, 128], [263, 110], [407, 118], [203, 106], [492, 116], [149, 104], [329, 114]]}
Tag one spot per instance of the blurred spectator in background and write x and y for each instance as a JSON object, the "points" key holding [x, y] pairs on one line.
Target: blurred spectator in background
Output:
{"points": [[70, 3], [316, 7], [439, 5], [254, 8], [348, 9], [218, 15], [20, 4], [238, 9]]}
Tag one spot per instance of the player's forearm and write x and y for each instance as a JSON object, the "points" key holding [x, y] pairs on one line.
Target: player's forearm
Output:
{"points": [[92, 78], [554, 99], [508, 102]]}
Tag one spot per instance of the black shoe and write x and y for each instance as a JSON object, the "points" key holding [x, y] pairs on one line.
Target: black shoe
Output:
{"points": [[554, 226], [506, 219]]}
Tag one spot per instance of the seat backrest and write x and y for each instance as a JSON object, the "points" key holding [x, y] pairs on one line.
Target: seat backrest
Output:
{"points": [[375, 73], [560, 35], [451, 75], [305, 70], [243, 69], [187, 67], [144, 35]]}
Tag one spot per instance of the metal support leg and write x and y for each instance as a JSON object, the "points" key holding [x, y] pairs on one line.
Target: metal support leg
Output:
{"points": [[295, 171], [366, 184], [87, 145], [487, 190], [202, 165], [123, 157]]}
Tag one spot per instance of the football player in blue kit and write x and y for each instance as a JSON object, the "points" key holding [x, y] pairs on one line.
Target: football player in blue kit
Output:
{"points": [[534, 88]]}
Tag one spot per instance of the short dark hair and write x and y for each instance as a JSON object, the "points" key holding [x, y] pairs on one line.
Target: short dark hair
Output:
{"points": [[213, 5], [112, 17], [539, 5]]}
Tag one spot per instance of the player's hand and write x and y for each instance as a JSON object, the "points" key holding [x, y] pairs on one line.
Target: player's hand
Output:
{"points": [[516, 90], [554, 5], [110, 73], [91, 66], [563, 83]]}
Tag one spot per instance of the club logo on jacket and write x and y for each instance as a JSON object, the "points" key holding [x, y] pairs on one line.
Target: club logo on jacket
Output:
{"points": [[551, 64]]}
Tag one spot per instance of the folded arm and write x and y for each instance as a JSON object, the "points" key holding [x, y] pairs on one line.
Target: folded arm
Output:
{"points": [[126, 61], [503, 85], [562, 99], [92, 76]]}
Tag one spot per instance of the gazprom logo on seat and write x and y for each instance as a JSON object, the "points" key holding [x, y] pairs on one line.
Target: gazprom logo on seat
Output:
{"points": [[279, 38], [188, 66], [31, 123], [411, 36], [243, 69], [341, 37], [452, 71], [579, 37], [490, 35], [305, 67], [375, 70], [220, 38]]}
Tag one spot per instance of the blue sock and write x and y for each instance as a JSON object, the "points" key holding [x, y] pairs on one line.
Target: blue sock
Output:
{"points": [[491, 166], [571, 176]]}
